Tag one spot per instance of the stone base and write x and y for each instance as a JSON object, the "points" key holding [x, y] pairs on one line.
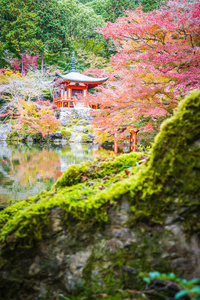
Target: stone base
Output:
{"points": [[67, 113]]}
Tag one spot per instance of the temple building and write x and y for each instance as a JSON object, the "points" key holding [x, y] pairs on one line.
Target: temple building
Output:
{"points": [[71, 89]]}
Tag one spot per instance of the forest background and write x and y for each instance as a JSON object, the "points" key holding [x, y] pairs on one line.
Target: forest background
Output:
{"points": [[150, 50]]}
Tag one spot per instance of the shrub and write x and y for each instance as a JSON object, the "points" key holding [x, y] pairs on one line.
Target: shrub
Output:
{"points": [[66, 134]]}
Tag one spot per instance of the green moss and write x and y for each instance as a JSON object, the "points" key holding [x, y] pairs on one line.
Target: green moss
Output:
{"points": [[13, 136], [97, 169], [86, 202], [66, 134], [168, 184], [171, 180], [88, 128], [81, 122], [85, 138]]}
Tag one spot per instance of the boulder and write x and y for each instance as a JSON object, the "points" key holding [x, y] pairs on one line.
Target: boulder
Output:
{"points": [[58, 135], [79, 129], [5, 129]]}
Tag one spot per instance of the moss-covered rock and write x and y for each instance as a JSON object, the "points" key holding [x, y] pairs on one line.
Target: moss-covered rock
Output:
{"points": [[104, 222], [66, 134], [13, 136], [171, 180]]}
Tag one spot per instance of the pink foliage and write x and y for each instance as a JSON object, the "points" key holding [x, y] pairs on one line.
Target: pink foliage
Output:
{"points": [[158, 61], [15, 64], [29, 61], [47, 103], [2, 71], [98, 73]]}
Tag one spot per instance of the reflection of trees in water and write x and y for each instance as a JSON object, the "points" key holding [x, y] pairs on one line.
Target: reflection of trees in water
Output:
{"points": [[26, 171]]}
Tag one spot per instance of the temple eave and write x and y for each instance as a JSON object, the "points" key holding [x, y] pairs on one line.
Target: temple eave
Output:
{"points": [[79, 78]]}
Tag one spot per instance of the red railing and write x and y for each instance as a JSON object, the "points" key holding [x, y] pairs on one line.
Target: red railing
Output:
{"points": [[63, 102]]}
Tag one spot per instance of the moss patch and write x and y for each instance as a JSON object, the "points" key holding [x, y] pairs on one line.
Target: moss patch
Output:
{"points": [[84, 193], [171, 180], [66, 134], [168, 184]]}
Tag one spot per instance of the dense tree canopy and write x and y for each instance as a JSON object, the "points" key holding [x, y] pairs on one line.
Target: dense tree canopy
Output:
{"points": [[50, 27], [32, 25], [111, 9], [82, 21]]}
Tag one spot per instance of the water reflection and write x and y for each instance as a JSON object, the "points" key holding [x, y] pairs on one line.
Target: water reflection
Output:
{"points": [[27, 170]]}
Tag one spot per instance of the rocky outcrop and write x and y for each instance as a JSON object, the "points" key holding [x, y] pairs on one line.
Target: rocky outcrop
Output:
{"points": [[104, 222], [5, 129], [74, 113]]}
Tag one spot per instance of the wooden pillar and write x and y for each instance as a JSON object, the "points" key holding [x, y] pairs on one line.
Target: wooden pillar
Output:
{"points": [[115, 147], [133, 141], [69, 93]]}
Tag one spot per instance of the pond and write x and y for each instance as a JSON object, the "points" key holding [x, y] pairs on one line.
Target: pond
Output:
{"points": [[26, 170]]}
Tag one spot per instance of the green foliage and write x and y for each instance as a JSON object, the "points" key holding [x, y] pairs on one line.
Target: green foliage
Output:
{"points": [[149, 5], [32, 25], [85, 202], [187, 287], [97, 169], [82, 122], [81, 28], [110, 10], [82, 21], [85, 138], [88, 128], [13, 135], [66, 134]]}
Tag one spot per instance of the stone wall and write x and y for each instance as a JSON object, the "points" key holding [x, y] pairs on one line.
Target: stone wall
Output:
{"points": [[66, 114], [5, 129]]}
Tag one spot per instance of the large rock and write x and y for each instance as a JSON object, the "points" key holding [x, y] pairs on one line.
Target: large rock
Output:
{"points": [[74, 113], [94, 237], [5, 129]]}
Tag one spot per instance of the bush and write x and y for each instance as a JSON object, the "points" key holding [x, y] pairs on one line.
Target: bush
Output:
{"points": [[13, 135], [85, 138], [88, 128], [66, 134], [82, 122]]}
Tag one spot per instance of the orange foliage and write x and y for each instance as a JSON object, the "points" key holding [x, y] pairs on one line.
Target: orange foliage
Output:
{"points": [[36, 118]]}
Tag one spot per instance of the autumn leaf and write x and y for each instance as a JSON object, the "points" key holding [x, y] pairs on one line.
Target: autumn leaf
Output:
{"points": [[84, 178], [101, 187], [104, 179], [127, 172], [143, 157]]}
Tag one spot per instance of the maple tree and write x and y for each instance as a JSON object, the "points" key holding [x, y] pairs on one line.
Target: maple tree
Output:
{"points": [[14, 86], [27, 61], [36, 117], [18, 92], [157, 63]]}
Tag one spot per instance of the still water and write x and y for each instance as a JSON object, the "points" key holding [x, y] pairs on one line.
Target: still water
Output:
{"points": [[28, 170]]}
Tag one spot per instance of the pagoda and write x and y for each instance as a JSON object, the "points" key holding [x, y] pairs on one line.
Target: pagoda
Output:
{"points": [[72, 88]]}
